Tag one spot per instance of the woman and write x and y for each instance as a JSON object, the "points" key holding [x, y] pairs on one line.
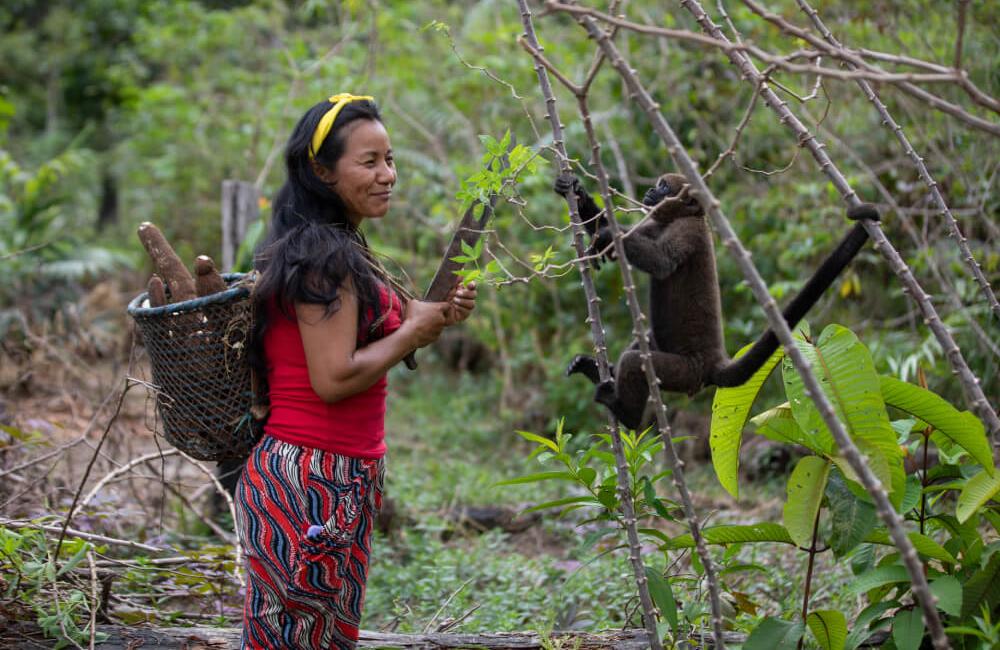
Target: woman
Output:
{"points": [[329, 327]]}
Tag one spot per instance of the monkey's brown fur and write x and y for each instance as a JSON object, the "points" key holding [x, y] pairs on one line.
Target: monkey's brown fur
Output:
{"points": [[674, 246]]}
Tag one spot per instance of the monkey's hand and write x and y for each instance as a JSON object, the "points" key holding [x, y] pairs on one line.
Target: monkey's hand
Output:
{"points": [[565, 183], [602, 242], [675, 207]]}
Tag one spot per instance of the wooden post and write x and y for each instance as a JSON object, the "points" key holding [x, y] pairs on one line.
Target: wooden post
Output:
{"points": [[240, 209]]}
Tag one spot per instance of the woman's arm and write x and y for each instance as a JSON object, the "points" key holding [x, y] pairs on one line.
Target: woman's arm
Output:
{"points": [[337, 367]]}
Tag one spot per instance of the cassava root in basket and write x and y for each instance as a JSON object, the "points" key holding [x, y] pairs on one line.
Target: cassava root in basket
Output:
{"points": [[168, 265], [206, 278], [157, 294]]}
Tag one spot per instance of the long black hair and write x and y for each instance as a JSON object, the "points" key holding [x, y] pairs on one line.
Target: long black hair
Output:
{"points": [[311, 247]]}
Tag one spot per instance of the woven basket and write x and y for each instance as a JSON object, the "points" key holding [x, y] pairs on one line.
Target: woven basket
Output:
{"points": [[198, 352]]}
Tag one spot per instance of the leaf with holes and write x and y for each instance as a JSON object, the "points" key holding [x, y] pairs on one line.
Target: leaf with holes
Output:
{"points": [[725, 535], [846, 373], [730, 409], [805, 494]]}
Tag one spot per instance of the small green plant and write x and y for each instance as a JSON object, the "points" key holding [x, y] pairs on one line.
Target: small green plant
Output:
{"points": [[60, 603]]}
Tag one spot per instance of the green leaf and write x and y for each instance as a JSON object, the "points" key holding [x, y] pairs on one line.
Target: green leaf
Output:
{"points": [[534, 437], [775, 634], [585, 500], [948, 591], [879, 577], [735, 534], [730, 409], [846, 373], [911, 497], [923, 544], [663, 596], [805, 494], [982, 587], [851, 518], [961, 427], [829, 627], [860, 627], [977, 491], [908, 628], [779, 424], [540, 476]]}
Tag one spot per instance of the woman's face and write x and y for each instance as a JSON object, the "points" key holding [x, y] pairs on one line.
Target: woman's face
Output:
{"points": [[363, 177]]}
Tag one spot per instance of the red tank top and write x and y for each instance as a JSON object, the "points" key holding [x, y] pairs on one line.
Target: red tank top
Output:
{"points": [[353, 426]]}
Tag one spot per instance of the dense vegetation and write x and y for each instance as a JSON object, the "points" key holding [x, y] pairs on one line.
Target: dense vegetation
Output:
{"points": [[115, 112]]}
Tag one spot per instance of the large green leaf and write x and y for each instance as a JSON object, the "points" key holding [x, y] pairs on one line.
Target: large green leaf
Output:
{"points": [[860, 627], [847, 376], [730, 409], [961, 427], [663, 596], [805, 494], [851, 518], [724, 535], [879, 577], [978, 490], [775, 634], [779, 424], [948, 591], [923, 544], [908, 628], [829, 627], [982, 588]]}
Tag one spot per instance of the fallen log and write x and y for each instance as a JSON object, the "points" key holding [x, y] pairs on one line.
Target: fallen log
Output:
{"points": [[121, 637]]}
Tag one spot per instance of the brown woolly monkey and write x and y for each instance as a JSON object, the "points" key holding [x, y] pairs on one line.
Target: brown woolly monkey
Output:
{"points": [[674, 246]]}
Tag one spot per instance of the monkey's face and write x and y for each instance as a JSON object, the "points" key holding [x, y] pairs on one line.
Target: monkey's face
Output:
{"points": [[666, 185]]}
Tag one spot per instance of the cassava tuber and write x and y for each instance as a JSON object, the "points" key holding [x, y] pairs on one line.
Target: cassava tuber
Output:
{"points": [[206, 278], [176, 276], [156, 293]]}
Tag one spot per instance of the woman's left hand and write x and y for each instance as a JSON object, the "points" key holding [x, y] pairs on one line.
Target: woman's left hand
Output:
{"points": [[463, 301]]}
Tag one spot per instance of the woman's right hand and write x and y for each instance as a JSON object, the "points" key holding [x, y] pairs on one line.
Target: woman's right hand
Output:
{"points": [[424, 321]]}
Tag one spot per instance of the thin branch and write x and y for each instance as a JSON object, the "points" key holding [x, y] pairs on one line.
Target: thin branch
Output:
{"points": [[86, 474], [92, 537], [962, 6], [918, 162], [970, 383], [905, 85], [530, 41]]}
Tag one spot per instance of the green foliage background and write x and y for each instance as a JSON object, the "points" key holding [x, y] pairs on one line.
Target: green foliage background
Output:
{"points": [[170, 98]]}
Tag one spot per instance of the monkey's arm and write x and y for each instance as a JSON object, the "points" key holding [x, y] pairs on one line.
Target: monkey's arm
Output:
{"points": [[659, 250], [585, 203]]}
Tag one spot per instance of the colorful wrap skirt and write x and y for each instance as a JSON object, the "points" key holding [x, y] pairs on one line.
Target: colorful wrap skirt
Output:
{"points": [[304, 518]]}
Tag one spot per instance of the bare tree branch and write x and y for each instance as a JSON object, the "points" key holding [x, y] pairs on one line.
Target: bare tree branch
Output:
{"points": [[918, 162], [970, 383], [530, 41]]}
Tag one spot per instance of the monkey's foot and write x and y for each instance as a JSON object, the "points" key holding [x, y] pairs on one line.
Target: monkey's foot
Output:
{"points": [[586, 366], [605, 393]]}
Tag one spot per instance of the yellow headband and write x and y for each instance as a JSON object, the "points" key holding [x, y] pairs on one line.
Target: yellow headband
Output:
{"points": [[326, 122]]}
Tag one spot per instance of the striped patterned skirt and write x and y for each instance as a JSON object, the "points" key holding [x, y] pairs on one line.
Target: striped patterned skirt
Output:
{"points": [[304, 518]]}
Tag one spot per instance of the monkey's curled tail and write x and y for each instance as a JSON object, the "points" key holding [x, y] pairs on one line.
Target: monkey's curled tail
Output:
{"points": [[737, 372]]}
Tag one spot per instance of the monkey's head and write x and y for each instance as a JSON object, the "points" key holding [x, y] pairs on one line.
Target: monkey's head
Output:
{"points": [[667, 186]]}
